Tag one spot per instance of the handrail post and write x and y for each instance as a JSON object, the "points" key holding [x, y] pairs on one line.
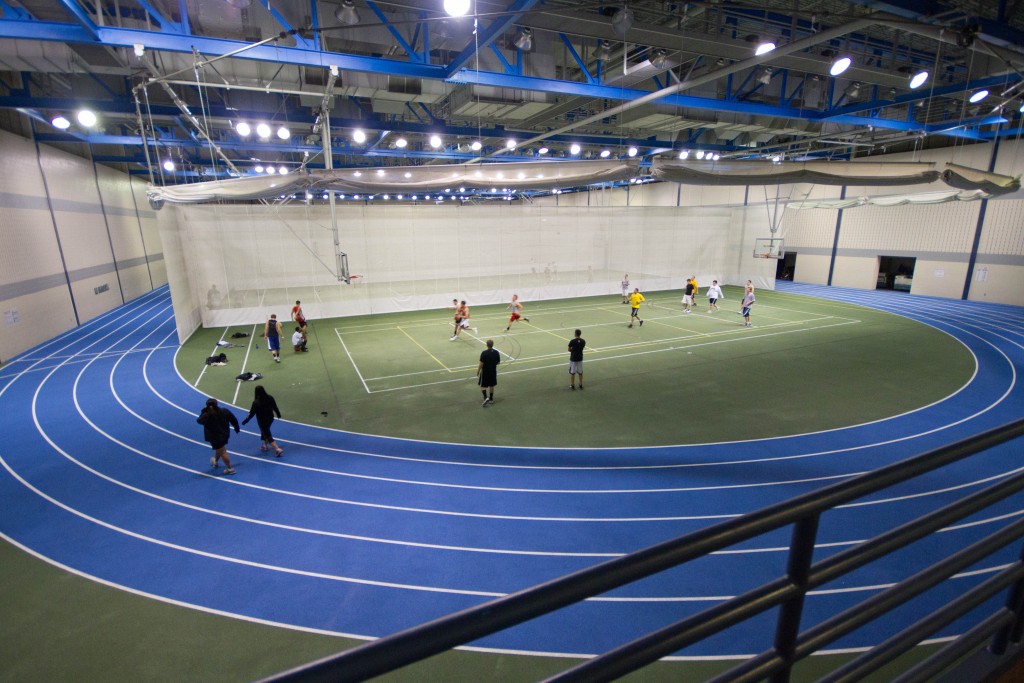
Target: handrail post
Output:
{"points": [[1012, 632], [798, 569]]}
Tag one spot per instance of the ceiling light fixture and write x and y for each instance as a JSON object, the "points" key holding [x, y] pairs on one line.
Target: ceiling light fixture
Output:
{"points": [[358, 136], [456, 8], [258, 169], [263, 130], [242, 128], [764, 48], [605, 153], [631, 152], [282, 170], [918, 79], [510, 144], [168, 165], [270, 170], [401, 143], [435, 141], [604, 51], [284, 133], [476, 145], [685, 154], [700, 154], [978, 96], [622, 21], [766, 76], [658, 61], [60, 122], [574, 149], [347, 14], [840, 65], [524, 41], [853, 91], [88, 119], [542, 150], [139, 49]]}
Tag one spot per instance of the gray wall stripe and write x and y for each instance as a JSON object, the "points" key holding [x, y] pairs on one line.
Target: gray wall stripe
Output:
{"points": [[11, 200], [950, 257], [40, 284]]}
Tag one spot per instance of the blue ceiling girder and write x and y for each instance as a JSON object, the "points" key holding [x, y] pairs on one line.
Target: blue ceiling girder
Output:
{"points": [[165, 23], [579, 61], [415, 56], [484, 37], [997, 31], [922, 94]]}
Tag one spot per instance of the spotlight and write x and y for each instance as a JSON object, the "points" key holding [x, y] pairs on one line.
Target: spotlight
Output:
{"points": [[456, 8], [282, 170], [605, 153], [168, 165], [435, 141], [840, 65], [700, 154], [716, 156], [475, 145], [510, 144], [631, 152], [1021, 110], [401, 143], [622, 21], [270, 170], [853, 91], [542, 150], [283, 133], [918, 79], [347, 14], [685, 154], [978, 96], [766, 76], [263, 130], [658, 61], [242, 128], [88, 119], [575, 149], [604, 52], [258, 169], [358, 136], [60, 122], [777, 158], [764, 48], [140, 49], [524, 41]]}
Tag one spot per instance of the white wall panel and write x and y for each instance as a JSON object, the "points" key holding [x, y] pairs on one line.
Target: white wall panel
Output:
{"points": [[944, 228], [812, 268], [856, 272], [939, 278], [997, 283]]}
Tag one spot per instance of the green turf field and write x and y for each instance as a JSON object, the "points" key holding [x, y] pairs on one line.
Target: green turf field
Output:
{"points": [[806, 365]]}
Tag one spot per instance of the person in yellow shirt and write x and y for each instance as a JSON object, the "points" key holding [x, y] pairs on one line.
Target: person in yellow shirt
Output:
{"points": [[634, 301]]}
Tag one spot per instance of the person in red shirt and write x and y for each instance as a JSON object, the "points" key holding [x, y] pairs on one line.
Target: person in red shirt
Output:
{"points": [[298, 316]]}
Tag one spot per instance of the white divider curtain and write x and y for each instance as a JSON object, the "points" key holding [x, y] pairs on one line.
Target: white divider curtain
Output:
{"points": [[247, 261]]}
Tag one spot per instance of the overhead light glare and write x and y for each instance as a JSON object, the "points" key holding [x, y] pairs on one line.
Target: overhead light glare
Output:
{"points": [[401, 143], [700, 154], [979, 96], [258, 169], [456, 8], [88, 119], [510, 144], [242, 128], [168, 165], [359, 136], [840, 65], [575, 149], [60, 122], [685, 154], [282, 170], [475, 145], [435, 141], [542, 150], [283, 133], [764, 48], [918, 79], [632, 151], [605, 153], [263, 130]]}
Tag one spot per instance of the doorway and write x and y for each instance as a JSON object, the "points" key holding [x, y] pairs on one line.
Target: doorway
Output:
{"points": [[786, 266], [896, 273]]}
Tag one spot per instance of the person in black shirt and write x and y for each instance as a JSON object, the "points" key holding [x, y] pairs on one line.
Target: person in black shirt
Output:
{"points": [[576, 360], [264, 408], [217, 423], [487, 372]]}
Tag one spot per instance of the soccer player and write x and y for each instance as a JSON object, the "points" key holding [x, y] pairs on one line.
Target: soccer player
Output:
{"points": [[635, 299], [714, 294], [748, 301], [517, 309], [487, 372], [576, 345]]}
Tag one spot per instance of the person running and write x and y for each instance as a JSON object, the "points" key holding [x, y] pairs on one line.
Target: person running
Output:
{"points": [[264, 408], [625, 288], [461, 320], [217, 423], [688, 294], [714, 294], [272, 335], [748, 301], [458, 318], [635, 299], [487, 372], [576, 345], [517, 309], [298, 316]]}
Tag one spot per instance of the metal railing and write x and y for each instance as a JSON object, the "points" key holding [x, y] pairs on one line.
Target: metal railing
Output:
{"points": [[787, 592]]}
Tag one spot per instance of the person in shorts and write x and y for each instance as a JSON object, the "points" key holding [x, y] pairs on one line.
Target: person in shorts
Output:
{"points": [[272, 335], [461, 320], [635, 299], [748, 301], [487, 372], [517, 312], [217, 423], [298, 316], [688, 296], [714, 294], [576, 345], [625, 288]]}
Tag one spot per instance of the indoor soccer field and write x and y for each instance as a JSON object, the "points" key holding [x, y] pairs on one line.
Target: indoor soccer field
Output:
{"points": [[806, 365]]}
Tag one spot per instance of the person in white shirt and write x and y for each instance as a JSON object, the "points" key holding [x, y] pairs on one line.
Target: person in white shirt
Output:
{"points": [[299, 340], [714, 294], [625, 288]]}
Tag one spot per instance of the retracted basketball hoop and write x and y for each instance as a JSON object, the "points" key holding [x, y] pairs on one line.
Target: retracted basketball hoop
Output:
{"points": [[769, 247]]}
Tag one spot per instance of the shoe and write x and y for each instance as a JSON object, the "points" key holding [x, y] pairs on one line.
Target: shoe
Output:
{"points": [[506, 329], [641, 323], [573, 387], [476, 330], [451, 338], [279, 452], [629, 325], [526, 319], [230, 470], [263, 446], [581, 387], [213, 462], [484, 404], [277, 359]]}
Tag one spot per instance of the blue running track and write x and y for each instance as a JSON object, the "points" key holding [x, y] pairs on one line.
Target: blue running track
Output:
{"points": [[103, 472]]}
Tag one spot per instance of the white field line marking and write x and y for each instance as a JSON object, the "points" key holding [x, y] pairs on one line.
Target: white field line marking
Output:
{"points": [[735, 331], [238, 383], [216, 346], [351, 360]]}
